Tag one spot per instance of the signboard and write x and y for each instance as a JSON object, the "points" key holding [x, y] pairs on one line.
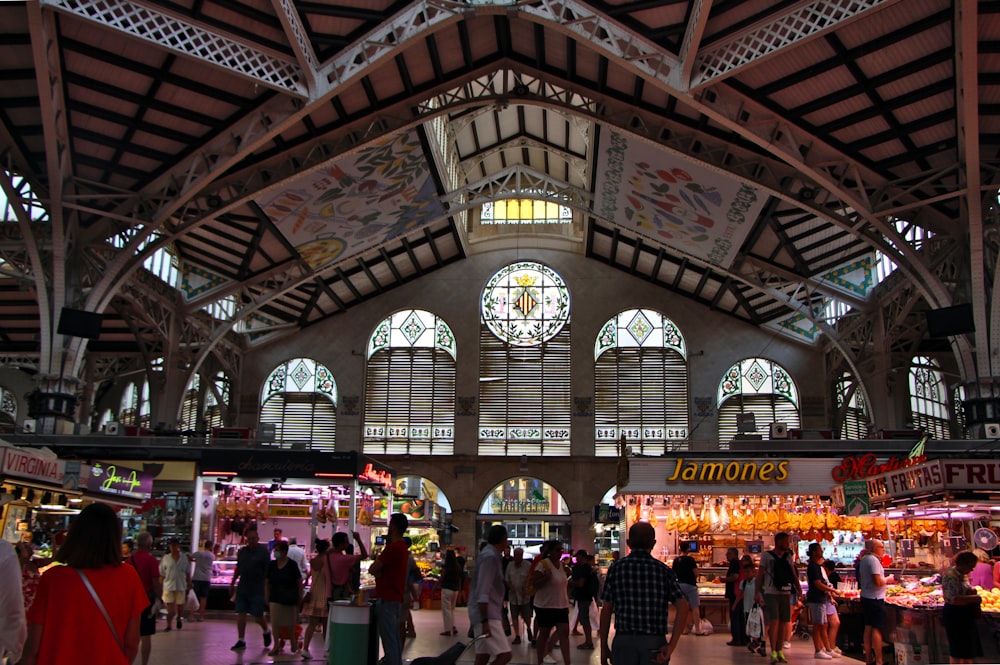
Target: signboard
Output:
{"points": [[856, 467], [731, 471], [290, 511], [936, 477], [23, 463], [119, 480], [856, 498]]}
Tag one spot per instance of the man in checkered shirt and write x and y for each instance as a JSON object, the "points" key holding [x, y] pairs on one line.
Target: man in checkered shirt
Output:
{"points": [[638, 590]]}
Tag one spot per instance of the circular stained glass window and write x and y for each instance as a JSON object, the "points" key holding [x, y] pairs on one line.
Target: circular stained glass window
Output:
{"points": [[525, 303]]}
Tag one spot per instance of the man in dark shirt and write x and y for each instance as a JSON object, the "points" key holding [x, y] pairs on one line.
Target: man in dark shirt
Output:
{"points": [[638, 591], [686, 570], [583, 590], [251, 573], [737, 622]]}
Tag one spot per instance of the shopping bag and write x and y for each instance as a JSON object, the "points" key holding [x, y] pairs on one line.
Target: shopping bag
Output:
{"points": [[191, 605], [755, 622], [705, 627]]}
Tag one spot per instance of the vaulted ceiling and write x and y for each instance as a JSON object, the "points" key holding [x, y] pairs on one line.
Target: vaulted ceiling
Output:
{"points": [[299, 157]]}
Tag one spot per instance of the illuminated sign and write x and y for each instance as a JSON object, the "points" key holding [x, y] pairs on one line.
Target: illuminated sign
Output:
{"points": [[729, 472], [377, 476], [856, 467], [119, 480]]}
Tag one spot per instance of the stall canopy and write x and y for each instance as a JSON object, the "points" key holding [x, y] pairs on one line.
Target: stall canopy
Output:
{"points": [[312, 466]]}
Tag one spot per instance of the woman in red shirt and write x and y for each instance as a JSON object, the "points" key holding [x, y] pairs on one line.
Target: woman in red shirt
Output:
{"points": [[65, 624]]}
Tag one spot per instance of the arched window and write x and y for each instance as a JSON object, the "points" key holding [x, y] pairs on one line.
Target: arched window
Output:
{"points": [[8, 407], [128, 413], [958, 410], [214, 397], [755, 390], [106, 418], [524, 211], [300, 399], [524, 362], [640, 384], [410, 386], [216, 401], [145, 407], [929, 398], [852, 407]]}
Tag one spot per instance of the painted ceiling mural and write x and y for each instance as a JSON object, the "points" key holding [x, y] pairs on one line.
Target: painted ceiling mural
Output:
{"points": [[674, 201], [344, 209]]}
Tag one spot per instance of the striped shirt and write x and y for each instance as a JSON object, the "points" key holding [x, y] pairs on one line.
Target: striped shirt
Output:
{"points": [[641, 589]]}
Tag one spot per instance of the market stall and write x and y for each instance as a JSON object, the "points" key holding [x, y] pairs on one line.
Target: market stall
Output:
{"points": [[306, 496], [726, 501], [936, 509], [40, 492]]}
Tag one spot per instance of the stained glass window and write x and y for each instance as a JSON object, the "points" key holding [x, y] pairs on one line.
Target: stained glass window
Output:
{"points": [[524, 211], [759, 387], [8, 406], [929, 398], [525, 304], [299, 398], [410, 386], [524, 363], [852, 407], [641, 384]]}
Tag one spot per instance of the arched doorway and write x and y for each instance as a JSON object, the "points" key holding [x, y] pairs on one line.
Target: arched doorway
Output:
{"points": [[425, 506], [532, 510], [607, 527]]}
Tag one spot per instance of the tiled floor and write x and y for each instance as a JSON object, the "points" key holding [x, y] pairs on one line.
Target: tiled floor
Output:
{"points": [[208, 643]]}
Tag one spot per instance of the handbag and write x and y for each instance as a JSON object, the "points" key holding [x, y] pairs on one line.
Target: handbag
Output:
{"points": [[104, 612], [755, 622]]}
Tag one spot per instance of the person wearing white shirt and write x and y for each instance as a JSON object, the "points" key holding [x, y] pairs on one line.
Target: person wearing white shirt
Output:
{"points": [[175, 571], [13, 628], [298, 555]]}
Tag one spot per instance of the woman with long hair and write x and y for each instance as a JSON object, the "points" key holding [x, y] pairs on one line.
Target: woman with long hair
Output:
{"points": [[316, 606], [451, 579], [66, 616]]}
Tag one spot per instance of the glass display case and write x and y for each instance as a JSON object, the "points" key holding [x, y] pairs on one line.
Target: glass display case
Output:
{"points": [[222, 572]]}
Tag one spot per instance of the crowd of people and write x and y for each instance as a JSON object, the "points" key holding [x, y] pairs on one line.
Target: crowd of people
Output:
{"points": [[108, 594]]}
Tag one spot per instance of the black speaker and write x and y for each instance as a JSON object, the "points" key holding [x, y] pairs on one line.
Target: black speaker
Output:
{"points": [[79, 323], [950, 321]]}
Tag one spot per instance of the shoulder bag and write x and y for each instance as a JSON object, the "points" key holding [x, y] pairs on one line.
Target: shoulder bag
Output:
{"points": [[100, 606]]}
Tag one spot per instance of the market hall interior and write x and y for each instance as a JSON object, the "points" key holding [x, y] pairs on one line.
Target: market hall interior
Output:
{"points": [[306, 264]]}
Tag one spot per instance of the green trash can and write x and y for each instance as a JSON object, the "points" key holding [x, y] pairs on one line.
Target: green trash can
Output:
{"points": [[347, 633]]}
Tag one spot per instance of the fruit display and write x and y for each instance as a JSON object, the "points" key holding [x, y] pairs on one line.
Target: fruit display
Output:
{"points": [[923, 594], [991, 599], [418, 546]]}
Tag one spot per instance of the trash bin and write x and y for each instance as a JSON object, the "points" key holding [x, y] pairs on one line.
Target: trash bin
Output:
{"points": [[348, 632]]}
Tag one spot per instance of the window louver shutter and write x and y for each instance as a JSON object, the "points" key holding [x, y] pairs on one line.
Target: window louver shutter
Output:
{"points": [[524, 392], [645, 390], [410, 402], [302, 420]]}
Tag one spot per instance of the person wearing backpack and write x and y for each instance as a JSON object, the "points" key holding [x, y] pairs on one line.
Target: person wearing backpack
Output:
{"points": [[773, 591]]}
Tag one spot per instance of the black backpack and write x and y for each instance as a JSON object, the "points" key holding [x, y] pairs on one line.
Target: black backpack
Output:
{"points": [[783, 576]]}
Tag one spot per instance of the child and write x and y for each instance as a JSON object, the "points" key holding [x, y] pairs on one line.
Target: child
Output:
{"points": [[745, 593]]}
